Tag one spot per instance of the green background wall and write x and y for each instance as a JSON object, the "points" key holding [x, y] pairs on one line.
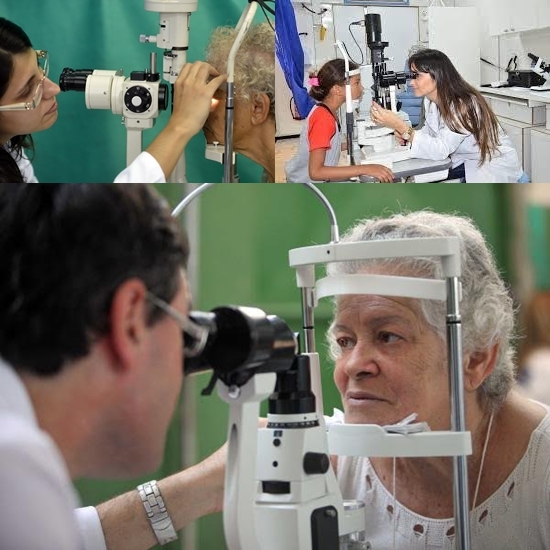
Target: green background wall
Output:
{"points": [[90, 145]]}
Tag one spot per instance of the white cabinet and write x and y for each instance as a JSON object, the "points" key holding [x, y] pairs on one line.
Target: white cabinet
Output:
{"points": [[540, 155], [543, 13], [518, 106], [520, 135], [509, 17]]}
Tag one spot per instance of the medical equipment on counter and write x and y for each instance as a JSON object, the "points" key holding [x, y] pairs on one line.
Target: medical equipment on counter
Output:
{"points": [[536, 77], [138, 98], [542, 71], [280, 490]]}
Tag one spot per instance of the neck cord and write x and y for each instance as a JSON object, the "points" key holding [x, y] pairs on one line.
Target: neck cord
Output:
{"points": [[394, 508], [484, 452], [482, 459]]}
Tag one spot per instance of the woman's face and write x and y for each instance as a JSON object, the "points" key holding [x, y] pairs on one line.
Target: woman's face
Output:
{"points": [[356, 87], [214, 127], [391, 363], [26, 76], [423, 85]]}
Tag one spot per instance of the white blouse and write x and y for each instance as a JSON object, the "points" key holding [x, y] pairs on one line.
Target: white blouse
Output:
{"points": [[515, 517]]}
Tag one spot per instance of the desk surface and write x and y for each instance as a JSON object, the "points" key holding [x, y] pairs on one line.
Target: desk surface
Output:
{"points": [[413, 167]]}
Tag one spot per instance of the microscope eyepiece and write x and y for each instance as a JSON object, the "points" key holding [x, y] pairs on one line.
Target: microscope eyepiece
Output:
{"points": [[74, 79], [237, 343], [373, 25]]}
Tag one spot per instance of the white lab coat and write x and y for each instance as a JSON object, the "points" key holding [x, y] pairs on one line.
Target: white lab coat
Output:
{"points": [[144, 169], [436, 141]]}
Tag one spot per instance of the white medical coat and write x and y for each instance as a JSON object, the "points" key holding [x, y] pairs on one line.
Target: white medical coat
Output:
{"points": [[38, 496], [436, 141], [144, 169]]}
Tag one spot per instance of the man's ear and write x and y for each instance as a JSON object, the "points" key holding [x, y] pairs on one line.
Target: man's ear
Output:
{"points": [[259, 109], [127, 318], [479, 365]]}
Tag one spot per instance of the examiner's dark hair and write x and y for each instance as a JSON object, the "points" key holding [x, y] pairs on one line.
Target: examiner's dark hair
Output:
{"points": [[462, 107], [13, 41], [65, 250]]}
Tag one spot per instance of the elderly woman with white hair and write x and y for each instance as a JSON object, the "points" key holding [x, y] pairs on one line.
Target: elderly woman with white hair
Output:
{"points": [[391, 361], [254, 121]]}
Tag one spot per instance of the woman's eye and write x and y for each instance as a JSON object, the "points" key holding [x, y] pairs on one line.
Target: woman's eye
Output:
{"points": [[388, 337], [344, 342]]}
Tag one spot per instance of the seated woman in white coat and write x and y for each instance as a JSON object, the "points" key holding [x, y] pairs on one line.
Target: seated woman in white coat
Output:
{"points": [[458, 124], [28, 104]]}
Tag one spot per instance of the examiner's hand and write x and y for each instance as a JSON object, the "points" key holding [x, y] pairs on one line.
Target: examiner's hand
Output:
{"points": [[384, 117], [193, 93]]}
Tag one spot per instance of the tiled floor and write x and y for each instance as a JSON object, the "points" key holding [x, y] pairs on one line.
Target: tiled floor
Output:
{"points": [[284, 150]]}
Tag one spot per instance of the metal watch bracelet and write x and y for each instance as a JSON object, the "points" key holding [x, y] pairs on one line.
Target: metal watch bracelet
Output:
{"points": [[157, 513]]}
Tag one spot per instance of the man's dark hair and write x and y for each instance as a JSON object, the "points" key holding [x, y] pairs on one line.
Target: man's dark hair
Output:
{"points": [[64, 250]]}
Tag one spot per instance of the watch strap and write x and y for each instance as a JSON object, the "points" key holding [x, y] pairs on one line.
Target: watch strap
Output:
{"points": [[156, 511]]}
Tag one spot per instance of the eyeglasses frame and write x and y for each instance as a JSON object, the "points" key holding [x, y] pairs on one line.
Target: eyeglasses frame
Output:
{"points": [[34, 103]]}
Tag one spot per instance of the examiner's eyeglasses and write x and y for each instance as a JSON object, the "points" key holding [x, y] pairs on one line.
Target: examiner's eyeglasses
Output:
{"points": [[194, 335], [44, 66]]}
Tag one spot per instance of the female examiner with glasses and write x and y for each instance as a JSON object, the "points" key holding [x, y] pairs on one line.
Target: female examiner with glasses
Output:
{"points": [[28, 104]]}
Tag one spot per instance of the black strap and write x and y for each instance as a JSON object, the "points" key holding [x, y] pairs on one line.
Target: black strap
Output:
{"points": [[328, 109]]}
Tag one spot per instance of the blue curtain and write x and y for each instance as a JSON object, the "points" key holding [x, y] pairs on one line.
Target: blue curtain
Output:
{"points": [[291, 56]]}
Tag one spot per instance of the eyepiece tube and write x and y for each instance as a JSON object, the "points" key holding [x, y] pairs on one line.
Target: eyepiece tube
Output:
{"points": [[373, 25], [241, 341], [74, 79]]}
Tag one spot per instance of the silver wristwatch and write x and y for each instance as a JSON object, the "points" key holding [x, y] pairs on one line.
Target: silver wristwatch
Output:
{"points": [[157, 513]]}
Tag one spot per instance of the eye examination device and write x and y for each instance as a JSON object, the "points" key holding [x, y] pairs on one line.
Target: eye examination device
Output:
{"points": [[280, 489], [378, 143]]}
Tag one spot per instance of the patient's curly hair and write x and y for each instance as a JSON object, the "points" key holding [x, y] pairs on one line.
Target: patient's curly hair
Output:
{"points": [[254, 63]]}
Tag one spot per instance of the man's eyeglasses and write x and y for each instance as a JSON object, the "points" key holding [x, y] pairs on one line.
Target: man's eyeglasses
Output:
{"points": [[194, 335], [44, 66]]}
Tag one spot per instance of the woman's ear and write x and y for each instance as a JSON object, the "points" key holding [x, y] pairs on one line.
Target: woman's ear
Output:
{"points": [[478, 366], [259, 109]]}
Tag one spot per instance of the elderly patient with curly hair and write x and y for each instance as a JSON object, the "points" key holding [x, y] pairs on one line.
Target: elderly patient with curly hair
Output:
{"points": [[254, 121]]}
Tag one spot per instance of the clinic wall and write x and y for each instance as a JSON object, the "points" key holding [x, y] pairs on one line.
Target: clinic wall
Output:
{"points": [[246, 233], [90, 145]]}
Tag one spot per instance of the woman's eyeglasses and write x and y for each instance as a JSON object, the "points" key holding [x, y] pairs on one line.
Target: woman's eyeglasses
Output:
{"points": [[44, 66]]}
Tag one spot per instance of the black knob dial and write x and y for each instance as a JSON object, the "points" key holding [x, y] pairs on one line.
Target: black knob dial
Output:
{"points": [[316, 463], [138, 99]]}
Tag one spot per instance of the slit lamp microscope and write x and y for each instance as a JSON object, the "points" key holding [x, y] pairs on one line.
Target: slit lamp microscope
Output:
{"points": [[378, 143], [280, 489]]}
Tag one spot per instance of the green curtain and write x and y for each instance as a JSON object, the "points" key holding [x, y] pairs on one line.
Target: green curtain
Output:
{"points": [[539, 239], [90, 145]]}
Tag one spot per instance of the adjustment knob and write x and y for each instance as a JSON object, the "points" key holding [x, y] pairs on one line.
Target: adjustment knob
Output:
{"points": [[138, 99], [316, 463]]}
